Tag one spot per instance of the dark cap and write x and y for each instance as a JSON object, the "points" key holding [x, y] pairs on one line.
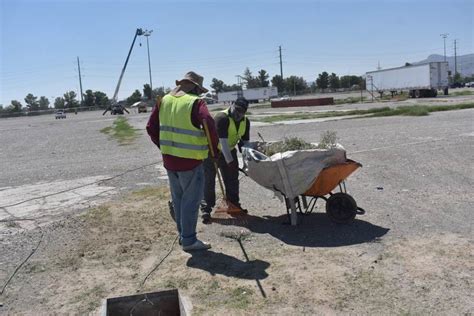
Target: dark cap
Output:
{"points": [[242, 102]]}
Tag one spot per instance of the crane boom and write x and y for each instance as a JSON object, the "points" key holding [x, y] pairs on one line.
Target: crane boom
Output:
{"points": [[114, 99]]}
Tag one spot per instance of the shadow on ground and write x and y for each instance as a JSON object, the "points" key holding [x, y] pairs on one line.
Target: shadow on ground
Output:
{"points": [[313, 230], [219, 263]]}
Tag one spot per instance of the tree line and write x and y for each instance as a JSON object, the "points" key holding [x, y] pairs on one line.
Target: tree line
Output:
{"points": [[69, 100], [99, 99], [291, 84]]}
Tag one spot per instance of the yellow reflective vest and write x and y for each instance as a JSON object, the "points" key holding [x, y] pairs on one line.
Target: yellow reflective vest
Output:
{"points": [[234, 135], [178, 136]]}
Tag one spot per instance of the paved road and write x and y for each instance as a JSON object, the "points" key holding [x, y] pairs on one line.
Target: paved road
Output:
{"points": [[417, 176]]}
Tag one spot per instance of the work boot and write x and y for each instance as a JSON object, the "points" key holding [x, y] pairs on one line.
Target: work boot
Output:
{"points": [[198, 245], [206, 217]]}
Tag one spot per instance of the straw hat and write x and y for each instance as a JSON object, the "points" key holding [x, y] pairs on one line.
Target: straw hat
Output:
{"points": [[193, 78]]}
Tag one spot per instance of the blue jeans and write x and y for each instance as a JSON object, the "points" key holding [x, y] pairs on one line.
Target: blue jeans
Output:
{"points": [[187, 192]]}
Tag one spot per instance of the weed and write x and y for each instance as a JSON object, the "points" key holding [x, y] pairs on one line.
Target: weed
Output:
{"points": [[122, 131], [328, 140], [288, 143]]}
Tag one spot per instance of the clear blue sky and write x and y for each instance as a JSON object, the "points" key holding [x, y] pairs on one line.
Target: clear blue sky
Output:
{"points": [[40, 40]]}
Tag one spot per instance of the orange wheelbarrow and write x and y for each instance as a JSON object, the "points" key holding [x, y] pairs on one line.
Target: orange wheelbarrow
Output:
{"points": [[340, 207]]}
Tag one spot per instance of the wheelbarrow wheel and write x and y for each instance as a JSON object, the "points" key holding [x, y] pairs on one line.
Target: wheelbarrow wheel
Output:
{"points": [[341, 208]]}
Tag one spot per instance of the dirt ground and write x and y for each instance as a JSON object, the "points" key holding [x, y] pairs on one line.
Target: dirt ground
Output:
{"points": [[257, 265]]}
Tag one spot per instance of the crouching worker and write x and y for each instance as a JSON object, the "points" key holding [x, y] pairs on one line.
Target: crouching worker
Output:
{"points": [[175, 126], [233, 128]]}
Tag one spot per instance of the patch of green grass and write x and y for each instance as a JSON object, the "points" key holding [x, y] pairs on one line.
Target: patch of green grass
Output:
{"points": [[261, 105], [465, 92], [205, 290], [240, 297], [35, 267], [97, 215], [122, 131], [214, 294], [151, 192], [414, 110], [177, 283]]}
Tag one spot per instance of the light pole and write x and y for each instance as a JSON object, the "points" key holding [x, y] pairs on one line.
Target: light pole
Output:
{"points": [[240, 93], [147, 34], [444, 35]]}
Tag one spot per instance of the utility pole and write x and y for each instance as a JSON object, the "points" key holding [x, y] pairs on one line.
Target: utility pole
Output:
{"points": [[455, 59], [444, 35], [80, 80], [147, 34], [281, 64]]}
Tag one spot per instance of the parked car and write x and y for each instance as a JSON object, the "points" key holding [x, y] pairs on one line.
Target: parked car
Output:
{"points": [[142, 108], [60, 115], [470, 84]]}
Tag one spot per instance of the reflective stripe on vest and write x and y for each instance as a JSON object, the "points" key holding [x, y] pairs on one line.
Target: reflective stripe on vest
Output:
{"points": [[234, 135], [178, 136]]}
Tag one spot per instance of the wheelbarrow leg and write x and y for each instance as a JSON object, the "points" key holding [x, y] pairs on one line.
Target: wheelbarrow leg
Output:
{"points": [[305, 202], [294, 215], [291, 210]]}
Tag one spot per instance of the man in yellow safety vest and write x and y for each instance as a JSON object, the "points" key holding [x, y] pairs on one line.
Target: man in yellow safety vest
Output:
{"points": [[176, 127], [233, 128]]}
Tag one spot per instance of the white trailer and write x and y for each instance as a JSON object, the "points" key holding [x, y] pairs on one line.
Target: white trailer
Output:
{"points": [[229, 96], [253, 95], [423, 80]]}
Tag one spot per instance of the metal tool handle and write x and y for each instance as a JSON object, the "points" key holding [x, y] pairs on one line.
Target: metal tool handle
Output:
{"points": [[211, 149]]}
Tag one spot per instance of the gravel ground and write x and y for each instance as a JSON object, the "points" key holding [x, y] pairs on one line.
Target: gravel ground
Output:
{"points": [[423, 159], [410, 253]]}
